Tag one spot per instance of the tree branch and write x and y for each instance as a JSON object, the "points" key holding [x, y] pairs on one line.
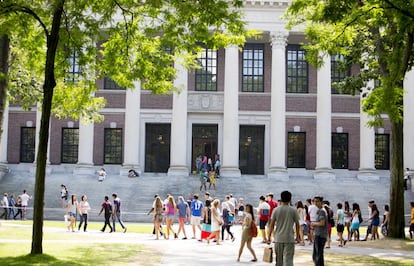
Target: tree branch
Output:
{"points": [[401, 10]]}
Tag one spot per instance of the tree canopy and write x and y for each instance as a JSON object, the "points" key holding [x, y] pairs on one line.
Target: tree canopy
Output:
{"points": [[121, 39], [376, 35]]}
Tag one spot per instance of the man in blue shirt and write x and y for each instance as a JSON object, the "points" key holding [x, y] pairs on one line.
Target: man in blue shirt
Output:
{"points": [[196, 210]]}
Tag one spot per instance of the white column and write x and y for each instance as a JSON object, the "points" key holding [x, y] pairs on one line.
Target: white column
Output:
{"points": [[277, 169], [323, 168], [178, 165], [367, 144], [3, 142], [85, 151], [230, 156], [132, 130], [409, 123]]}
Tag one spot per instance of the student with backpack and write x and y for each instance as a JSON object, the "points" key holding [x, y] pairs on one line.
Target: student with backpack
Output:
{"points": [[107, 209]]}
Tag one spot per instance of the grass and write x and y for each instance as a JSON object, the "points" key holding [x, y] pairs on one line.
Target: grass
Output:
{"points": [[58, 249]]}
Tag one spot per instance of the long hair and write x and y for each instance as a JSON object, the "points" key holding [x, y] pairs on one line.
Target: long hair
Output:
{"points": [[158, 202], [73, 196], [250, 210], [172, 201]]}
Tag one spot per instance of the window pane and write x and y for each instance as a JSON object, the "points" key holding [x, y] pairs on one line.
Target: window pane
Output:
{"points": [[339, 150], [253, 68], [109, 84], [338, 74], [27, 144], [382, 151], [296, 150], [296, 70], [113, 146], [70, 144], [206, 76]]}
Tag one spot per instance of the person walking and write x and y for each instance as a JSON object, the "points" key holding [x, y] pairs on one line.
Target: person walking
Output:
{"points": [[285, 218], [196, 208], [5, 205], [107, 209], [411, 222], [320, 232], [340, 224], [158, 207], [246, 238], [71, 211], [170, 208], [64, 194], [19, 208], [386, 218], [183, 215], [12, 204], [25, 202], [227, 223], [84, 208], [116, 215], [216, 222], [263, 210]]}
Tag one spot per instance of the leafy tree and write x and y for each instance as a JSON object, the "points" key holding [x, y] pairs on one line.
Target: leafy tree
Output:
{"points": [[126, 40], [378, 36]]}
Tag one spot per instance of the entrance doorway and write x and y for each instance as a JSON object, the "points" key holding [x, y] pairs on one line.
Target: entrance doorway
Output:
{"points": [[251, 148], [157, 147], [204, 142]]}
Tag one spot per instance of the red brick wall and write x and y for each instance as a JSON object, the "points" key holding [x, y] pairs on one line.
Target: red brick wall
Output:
{"points": [[17, 120]]}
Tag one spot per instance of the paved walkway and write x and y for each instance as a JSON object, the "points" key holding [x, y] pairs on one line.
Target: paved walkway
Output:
{"points": [[137, 194], [192, 252]]}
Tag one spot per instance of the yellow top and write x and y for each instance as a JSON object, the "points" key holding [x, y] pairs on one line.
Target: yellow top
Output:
{"points": [[412, 215]]}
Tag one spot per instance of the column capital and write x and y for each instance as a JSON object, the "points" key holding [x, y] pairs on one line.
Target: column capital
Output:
{"points": [[279, 38]]}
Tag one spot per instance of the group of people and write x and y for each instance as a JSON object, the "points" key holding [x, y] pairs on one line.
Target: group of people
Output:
{"points": [[110, 210], [13, 207], [206, 164]]}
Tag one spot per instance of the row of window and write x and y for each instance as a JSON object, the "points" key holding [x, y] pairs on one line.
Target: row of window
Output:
{"points": [[297, 74], [296, 153]]}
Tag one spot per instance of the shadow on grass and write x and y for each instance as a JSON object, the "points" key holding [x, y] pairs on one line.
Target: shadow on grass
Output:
{"points": [[38, 259]]}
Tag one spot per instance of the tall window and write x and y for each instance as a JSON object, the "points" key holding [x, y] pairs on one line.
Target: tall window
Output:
{"points": [[382, 151], [340, 150], [297, 70], [110, 84], [113, 145], [253, 68], [27, 144], [73, 73], [206, 76], [296, 150], [338, 74], [70, 144]]}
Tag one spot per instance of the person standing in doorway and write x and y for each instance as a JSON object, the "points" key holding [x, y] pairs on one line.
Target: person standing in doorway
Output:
{"points": [[285, 218], [320, 232], [107, 209], [117, 213]]}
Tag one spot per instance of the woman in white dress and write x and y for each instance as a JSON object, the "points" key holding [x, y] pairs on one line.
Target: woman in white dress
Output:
{"points": [[216, 222]]}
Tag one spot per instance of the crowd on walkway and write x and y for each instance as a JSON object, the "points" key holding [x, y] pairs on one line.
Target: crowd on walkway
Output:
{"points": [[281, 222]]}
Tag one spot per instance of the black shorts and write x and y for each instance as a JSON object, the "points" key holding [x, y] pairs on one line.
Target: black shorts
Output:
{"points": [[340, 228], [262, 224], [411, 227]]}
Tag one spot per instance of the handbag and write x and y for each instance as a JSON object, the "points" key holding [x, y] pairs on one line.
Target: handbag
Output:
{"points": [[268, 254], [253, 229]]}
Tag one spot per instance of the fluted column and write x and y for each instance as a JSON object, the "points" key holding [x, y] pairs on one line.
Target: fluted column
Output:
{"points": [[323, 168], [367, 145], [409, 123], [277, 169], [230, 156], [178, 165], [85, 151], [3, 142], [132, 132]]}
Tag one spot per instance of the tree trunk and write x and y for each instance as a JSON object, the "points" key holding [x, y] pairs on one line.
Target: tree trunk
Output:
{"points": [[4, 69], [48, 87], [396, 223]]}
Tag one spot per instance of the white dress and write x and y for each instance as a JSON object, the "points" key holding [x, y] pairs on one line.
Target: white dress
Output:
{"points": [[214, 223]]}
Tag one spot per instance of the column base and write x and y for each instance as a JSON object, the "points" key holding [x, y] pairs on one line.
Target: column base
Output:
{"points": [[178, 170], [228, 171], [84, 169], [367, 174], [278, 173], [125, 169], [4, 169], [324, 174]]}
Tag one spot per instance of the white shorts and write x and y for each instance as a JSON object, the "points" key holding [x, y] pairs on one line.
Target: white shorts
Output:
{"points": [[195, 220]]}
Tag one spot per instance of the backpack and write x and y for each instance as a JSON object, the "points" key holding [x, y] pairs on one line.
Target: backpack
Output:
{"points": [[253, 229], [331, 219], [108, 208]]}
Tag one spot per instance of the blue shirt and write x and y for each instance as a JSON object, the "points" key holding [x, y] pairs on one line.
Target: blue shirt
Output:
{"points": [[182, 209], [196, 207]]}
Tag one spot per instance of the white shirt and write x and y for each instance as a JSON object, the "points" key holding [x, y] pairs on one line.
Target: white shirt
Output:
{"points": [[25, 199], [313, 213], [5, 202]]}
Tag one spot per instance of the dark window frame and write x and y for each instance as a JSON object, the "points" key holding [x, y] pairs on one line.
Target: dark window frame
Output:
{"points": [[206, 76], [340, 151], [296, 154], [70, 145], [253, 71], [27, 144], [113, 151], [110, 84], [297, 70], [74, 71], [337, 74], [382, 151]]}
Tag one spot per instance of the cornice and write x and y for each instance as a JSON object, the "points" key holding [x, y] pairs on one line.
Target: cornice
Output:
{"points": [[267, 3]]}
